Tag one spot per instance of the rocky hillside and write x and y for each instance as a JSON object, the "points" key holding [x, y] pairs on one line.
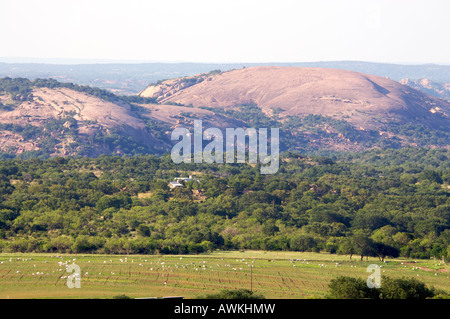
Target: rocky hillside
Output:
{"points": [[51, 118], [325, 108], [440, 90], [316, 109], [361, 99]]}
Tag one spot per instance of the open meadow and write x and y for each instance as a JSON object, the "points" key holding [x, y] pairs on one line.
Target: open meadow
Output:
{"points": [[278, 275]]}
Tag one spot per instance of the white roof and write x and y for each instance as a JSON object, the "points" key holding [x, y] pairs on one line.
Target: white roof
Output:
{"points": [[176, 184]]}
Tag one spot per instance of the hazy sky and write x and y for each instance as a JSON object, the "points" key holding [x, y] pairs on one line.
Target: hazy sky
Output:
{"points": [[396, 31]]}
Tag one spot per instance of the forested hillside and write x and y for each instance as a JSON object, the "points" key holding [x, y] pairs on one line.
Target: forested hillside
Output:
{"points": [[378, 203]]}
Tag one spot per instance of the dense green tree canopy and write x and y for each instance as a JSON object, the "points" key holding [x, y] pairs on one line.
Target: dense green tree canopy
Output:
{"points": [[382, 203]]}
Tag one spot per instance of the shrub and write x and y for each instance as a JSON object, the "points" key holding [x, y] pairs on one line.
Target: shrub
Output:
{"points": [[234, 294], [121, 297], [344, 287], [404, 288]]}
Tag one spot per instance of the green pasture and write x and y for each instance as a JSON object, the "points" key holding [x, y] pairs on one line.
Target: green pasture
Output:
{"points": [[279, 275]]}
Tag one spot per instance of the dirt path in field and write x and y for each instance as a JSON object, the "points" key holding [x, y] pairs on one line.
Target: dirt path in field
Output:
{"points": [[429, 269]]}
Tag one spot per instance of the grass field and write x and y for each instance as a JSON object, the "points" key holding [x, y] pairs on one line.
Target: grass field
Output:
{"points": [[279, 275]]}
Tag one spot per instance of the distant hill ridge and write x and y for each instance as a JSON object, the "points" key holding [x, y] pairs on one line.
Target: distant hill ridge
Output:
{"points": [[131, 78]]}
